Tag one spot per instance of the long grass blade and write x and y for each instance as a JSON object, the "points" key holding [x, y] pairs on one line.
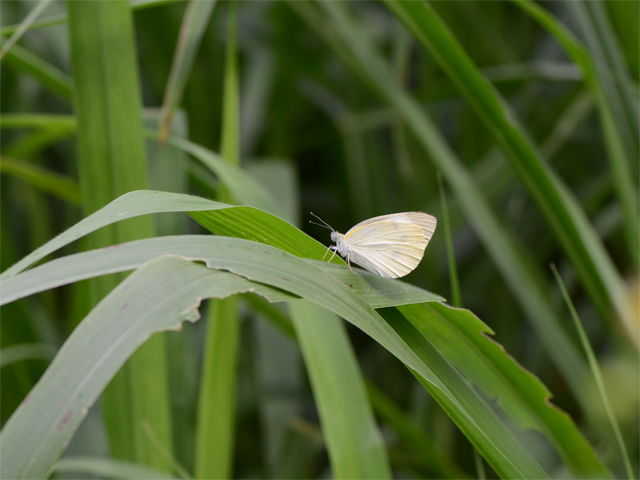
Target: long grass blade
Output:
{"points": [[45, 180], [562, 211], [215, 430], [24, 26], [456, 296], [355, 445], [112, 161], [595, 371], [623, 157], [455, 289], [49, 76], [194, 23]]}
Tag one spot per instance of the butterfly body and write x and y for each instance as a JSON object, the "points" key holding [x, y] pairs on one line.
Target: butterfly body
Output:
{"points": [[390, 245]]}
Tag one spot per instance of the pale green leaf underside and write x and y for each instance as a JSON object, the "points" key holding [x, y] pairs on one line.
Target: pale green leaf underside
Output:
{"points": [[157, 297]]}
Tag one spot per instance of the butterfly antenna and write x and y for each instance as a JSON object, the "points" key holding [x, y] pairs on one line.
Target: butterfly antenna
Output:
{"points": [[326, 225]]}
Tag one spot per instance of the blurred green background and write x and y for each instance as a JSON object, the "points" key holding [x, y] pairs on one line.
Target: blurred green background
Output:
{"points": [[320, 128]]}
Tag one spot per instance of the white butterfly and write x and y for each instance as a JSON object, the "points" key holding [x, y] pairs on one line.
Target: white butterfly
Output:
{"points": [[390, 245]]}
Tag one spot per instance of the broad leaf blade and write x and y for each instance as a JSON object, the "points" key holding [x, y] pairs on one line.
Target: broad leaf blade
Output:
{"points": [[155, 298], [489, 367]]}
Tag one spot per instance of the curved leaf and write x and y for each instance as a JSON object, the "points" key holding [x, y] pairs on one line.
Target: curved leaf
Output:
{"points": [[489, 367], [157, 297], [110, 468], [309, 279], [458, 339], [129, 205]]}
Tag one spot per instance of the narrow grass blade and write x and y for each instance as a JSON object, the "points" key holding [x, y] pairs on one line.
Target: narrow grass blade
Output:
{"points": [[518, 463], [622, 156], [194, 23], [376, 291], [24, 26], [215, 430], [562, 211], [31, 120], [127, 206], [216, 424], [230, 137], [619, 105], [455, 289], [612, 71], [110, 468], [112, 161], [59, 19], [597, 374], [355, 445], [451, 258], [244, 188], [45, 180], [157, 297], [48, 75], [26, 351], [624, 19]]}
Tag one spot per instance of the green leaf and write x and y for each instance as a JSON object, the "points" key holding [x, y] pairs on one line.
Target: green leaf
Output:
{"points": [[112, 161], [24, 26], [376, 291], [127, 206], [230, 136], [244, 188], [304, 278], [47, 74], [106, 467], [157, 297], [456, 335], [487, 365], [45, 180], [500, 443], [355, 445], [216, 424], [26, 351], [194, 23]]}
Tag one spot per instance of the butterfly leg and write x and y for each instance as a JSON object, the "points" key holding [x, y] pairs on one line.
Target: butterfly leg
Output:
{"points": [[349, 263], [325, 253], [334, 253]]}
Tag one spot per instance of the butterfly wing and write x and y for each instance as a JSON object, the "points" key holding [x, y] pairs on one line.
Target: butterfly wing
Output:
{"points": [[390, 245], [425, 222]]}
